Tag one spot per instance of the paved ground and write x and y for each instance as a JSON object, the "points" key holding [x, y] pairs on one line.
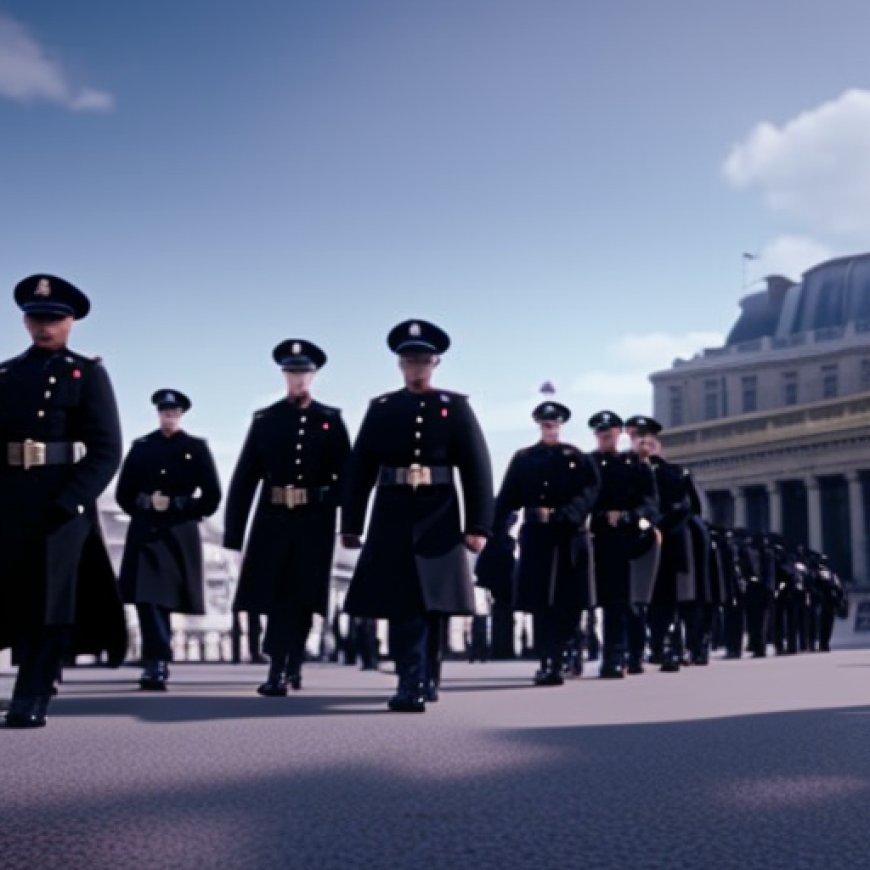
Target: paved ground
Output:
{"points": [[750, 764]]}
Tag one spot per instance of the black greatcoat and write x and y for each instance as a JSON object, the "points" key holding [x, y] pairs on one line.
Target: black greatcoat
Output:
{"points": [[162, 561], [288, 557], [414, 558], [554, 567], [683, 574], [627, 486], [55, 569]]}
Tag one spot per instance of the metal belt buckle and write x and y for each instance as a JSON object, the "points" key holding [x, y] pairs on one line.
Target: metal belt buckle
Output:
{"points": [[294, 497], [32, 453], [159, 501], [419, 475]]}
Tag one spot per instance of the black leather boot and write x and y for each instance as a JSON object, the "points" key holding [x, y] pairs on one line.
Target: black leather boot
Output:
{"points": [[409, 698], [154, 676], [27, 712], [550, 673], [276, 683]]}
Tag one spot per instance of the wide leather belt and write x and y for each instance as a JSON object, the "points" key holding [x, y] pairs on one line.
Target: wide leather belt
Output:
{"points": [[292, 497], [160, 502], [415, 475], [538, 514], [33, 454]]}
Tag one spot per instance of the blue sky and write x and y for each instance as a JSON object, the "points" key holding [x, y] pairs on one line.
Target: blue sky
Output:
{"points": [[566, 187]]}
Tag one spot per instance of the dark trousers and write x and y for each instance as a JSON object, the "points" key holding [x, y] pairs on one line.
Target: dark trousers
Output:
{"points": [[436, 640], [365, 635], [636, 631], [286, 634], [733, 627], [408, 640], [757, 607], [156, 632], [555, 627], [785, 623], [665, 631], [615, 631], [39, 653]]}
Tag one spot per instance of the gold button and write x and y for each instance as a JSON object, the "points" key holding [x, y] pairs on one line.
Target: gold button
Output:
{"points": [[546, 483], [298, 446], [298, 477], [301, 431], [52, 380], [40, 413], [163, 471], [48, 394], [299, 462], [419, 419], [416, 453], [422, 404], [416, 434], [303, 418]]}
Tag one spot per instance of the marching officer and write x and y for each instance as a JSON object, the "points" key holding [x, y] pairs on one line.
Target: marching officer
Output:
{"points": [[168, 484], [624, 546], [676, 593], [61, 445], [297, 449], [414, 567], [555, 485]]}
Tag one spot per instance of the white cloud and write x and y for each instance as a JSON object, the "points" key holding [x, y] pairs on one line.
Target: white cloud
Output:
{"points": [[28, 74], [620, 382], [790, 256], [814, 169]]}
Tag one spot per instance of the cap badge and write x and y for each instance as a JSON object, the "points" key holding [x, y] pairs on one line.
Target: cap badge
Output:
{"points": [[641, 421], [548, 408], [169, 397], [43, 288], [414, 330], [296, 347]]}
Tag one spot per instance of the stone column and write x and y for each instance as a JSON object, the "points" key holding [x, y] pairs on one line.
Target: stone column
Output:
{"points": [[739, 497], [774, 503], [856, 528], [814, 513]]}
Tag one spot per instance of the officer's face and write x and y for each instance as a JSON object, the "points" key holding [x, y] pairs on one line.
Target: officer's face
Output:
{"points": [[607, 439], [298, 383], [418, 367], [642, 445], [550, 430], [170, 419], [48, 333]]}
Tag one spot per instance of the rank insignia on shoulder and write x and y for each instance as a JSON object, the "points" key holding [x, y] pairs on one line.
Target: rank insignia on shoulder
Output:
{"points": [[445, 398]]}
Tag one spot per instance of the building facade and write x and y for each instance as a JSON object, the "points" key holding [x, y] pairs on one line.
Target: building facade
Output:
{"points": [[775, 425]]}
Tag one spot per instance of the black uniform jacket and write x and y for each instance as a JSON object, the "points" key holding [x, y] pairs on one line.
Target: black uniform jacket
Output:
{"points": [[55, 568], [288, 558], [554, 565], [627, 486], [162, 561], [684, 570], [414, 559]]}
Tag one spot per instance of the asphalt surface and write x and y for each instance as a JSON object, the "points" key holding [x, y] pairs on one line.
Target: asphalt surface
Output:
{"points": [[747, 764]]}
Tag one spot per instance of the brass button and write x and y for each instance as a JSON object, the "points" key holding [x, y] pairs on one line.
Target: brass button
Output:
{"points": [[40, 413], [416, 434], [303, 419], [419, 419], [52, 380], [48, 394]]}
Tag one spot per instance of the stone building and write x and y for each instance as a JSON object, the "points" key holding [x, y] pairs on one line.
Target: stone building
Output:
{"points": [[775, 425]]}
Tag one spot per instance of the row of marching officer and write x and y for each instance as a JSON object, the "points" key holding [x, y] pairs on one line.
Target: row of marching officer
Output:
{"points": [[609, 529], [61, 436]]}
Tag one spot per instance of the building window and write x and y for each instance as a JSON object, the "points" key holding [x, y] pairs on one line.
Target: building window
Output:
{"points": [[830, 386], [789, 388], [865, 374], [676, 405], [749, 391], [711, 399]]}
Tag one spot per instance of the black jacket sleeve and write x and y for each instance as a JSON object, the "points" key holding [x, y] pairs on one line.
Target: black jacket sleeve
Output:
{"points": [[246, 477], [99, 429], [128, 487], [475, 472], [362, 473], [581, 504], [209, 499]]}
